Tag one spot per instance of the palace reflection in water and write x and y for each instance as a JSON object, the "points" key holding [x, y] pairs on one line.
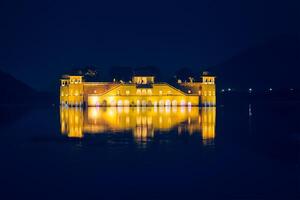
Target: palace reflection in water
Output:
{"points": [[143, 122]]}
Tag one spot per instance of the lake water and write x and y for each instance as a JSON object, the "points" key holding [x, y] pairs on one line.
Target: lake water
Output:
{"points": [[236, 151]]}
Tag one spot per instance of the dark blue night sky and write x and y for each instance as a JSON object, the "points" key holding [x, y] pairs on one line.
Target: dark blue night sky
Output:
{"points": [[40, 40], [233, 137]]}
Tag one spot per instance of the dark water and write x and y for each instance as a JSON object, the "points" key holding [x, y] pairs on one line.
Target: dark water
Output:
{"points": [[231, 152]]}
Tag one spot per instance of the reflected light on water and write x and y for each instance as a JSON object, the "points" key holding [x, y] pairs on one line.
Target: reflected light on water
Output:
{"points": [[142, 122]]}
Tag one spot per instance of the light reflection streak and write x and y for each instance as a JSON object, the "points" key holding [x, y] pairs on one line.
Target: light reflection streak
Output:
{"points": [[143, 122]]}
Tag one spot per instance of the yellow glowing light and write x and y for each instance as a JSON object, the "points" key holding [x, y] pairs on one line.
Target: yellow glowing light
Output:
{"points": [[144, 103], [161, 103], [120, 103], [126, 103], [94, 100], [174, 103], [143, 122], [112, 102], [182, 103], [168, 102]]}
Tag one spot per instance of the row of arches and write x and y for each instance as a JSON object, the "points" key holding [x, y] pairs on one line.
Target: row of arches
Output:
{"points": [[144, 103], [74, 104]]}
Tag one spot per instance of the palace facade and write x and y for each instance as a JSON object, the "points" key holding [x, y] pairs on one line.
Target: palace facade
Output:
{"points": [[140, 91]]}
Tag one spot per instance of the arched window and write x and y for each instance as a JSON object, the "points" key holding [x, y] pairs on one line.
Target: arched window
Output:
{"points": [[120, 103], [161, 103], [112, 103], [182, 103], [168, 103], [126, 103], [174, 103]]}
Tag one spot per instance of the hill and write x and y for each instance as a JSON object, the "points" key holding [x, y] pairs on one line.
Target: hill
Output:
{"points": [[14, 91], [274, 64]]}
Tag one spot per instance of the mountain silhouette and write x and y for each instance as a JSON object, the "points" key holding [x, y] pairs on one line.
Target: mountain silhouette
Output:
{"points": [[14, 91], [274, 64]]}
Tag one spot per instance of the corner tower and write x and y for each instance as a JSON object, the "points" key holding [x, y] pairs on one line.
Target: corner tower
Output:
{"points": [[208, 90], [71, 91]]}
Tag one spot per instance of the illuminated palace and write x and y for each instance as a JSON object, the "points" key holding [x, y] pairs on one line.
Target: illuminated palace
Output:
{"points": [[140, 91]]}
